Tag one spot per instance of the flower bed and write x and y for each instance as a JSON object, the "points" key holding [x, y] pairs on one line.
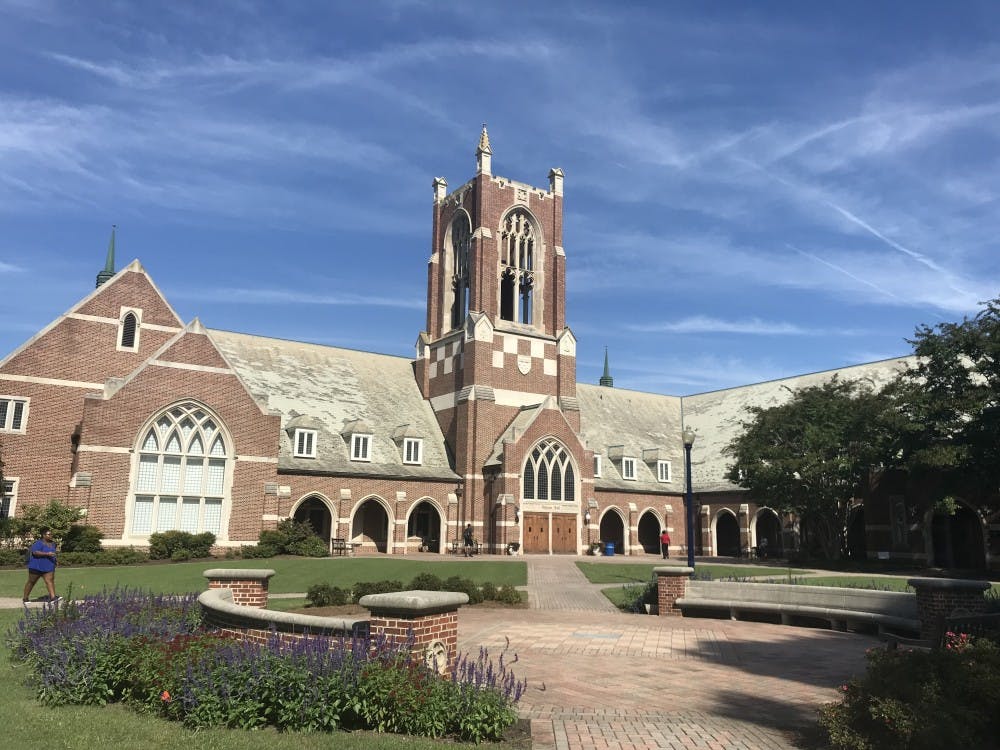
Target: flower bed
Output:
{"points": [[151, 652]]}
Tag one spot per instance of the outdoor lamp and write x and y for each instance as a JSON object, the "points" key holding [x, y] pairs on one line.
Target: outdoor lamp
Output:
{"points": [[586, 516], [688, 437]]}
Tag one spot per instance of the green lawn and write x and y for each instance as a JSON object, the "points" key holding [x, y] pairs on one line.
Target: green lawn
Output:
{"points": [[641, 572], [292, 574], [24, 722]]}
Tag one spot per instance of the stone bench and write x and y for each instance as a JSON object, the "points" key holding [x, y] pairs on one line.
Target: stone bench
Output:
{"points": [[884, 610]]}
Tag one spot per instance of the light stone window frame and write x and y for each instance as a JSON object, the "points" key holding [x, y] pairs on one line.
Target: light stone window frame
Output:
{"points": [[7, 425], [664, 471], [12, 496], [598, 465], [413, 451], [628, 468], [122, 314], [310, 438], [361, 446]]}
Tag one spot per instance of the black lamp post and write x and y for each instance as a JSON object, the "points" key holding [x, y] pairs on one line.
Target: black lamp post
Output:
{"points": [[688, 436]]}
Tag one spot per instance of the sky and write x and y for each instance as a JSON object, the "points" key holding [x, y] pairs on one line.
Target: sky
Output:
{"points": [[752, 190]]}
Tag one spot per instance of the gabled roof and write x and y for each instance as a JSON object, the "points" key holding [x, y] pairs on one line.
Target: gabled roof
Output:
{"points": [[334, 387]]}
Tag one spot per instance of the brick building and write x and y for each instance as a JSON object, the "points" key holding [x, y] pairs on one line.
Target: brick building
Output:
{"points": [[151, 423]]}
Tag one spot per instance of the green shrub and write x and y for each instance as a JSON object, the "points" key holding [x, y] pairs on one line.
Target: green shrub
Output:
{"points": [[425, 582], [162, 545], [257, 551], [82, 538], [11, 557], [111, 556], [917, 700], [311, 546], [56, 516], [325, 595], [466, 586], [489, 591], [508, 594], [363, 588], [293, 537], [180, 555]]}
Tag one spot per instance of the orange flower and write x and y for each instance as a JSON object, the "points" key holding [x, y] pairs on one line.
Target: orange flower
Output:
{"points": [[165, 696]]}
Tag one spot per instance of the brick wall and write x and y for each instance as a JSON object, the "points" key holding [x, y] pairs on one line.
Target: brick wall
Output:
{"points": [[671, 585]]}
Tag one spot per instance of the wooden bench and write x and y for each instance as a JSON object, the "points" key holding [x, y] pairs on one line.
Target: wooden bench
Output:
{"points": [[884, 610], [340, 547]]}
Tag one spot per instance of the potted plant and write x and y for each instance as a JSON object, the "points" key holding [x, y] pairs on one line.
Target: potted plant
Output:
{"points": [[596, 547]]}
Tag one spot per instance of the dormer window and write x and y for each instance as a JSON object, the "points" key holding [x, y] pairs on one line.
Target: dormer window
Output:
{"points": [[628, 468], [128, 330], [597, 465], [413, 450], [663, 471], [304, 444], [361, 447]]}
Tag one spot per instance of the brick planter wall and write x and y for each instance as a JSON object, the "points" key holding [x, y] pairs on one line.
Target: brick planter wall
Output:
{"points": [[431, 617], [938, 598], [249, 587], [671, 585]]}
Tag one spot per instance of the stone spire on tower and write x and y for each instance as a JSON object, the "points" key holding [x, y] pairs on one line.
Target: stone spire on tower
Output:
{"points": [[484, 154], [109, 264], [606, 379]]}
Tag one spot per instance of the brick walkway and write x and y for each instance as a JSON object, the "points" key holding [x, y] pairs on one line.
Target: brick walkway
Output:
{"points": [[599, 678]]}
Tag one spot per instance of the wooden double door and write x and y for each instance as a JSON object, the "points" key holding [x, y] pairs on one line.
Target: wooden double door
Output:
{"points": [[538, 527]]}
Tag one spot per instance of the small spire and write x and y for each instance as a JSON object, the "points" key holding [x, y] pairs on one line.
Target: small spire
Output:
{"points": [[484, 154], [484, 143], [606, 379], [109, 264]]}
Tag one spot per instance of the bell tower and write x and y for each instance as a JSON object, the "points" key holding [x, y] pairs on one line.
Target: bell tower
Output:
{"points": [[496, 339]]}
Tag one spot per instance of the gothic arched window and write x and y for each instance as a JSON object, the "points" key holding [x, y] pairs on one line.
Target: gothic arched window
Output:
{"points": [[461, 237], [517, 267], [548, 473], [181, 476]]}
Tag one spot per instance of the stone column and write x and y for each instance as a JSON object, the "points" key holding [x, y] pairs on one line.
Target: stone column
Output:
{"points": [[671, 585], [249, 587], [431, 617], [938, 598]]}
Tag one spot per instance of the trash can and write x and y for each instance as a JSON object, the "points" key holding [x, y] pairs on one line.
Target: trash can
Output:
{"points": [[609, 549]]}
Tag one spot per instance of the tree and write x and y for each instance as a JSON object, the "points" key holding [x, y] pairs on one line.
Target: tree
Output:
{"points": [[810, 455], [949, 405]]}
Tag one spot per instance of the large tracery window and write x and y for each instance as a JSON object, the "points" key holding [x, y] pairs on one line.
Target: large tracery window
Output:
{"points": [[548, 473], [517, 267], [461, 238], [181, 474]]}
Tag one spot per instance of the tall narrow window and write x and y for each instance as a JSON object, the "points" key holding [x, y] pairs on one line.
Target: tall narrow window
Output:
{"points": [[180, 477], [517, 267], [548, 473], [412, 450], [628, 468], [461, 239], [8, 497], [663, 471], [129, 324]]}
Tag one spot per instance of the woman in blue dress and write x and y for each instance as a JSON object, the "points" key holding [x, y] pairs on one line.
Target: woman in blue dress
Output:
{"points": [[42, 564]]}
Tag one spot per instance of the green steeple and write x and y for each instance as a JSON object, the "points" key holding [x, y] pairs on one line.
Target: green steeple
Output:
{"points": [[109, 264], [606, 379]]}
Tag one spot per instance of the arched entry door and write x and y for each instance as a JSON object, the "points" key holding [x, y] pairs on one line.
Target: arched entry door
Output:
{"points": [[425, 522], [649, 533], [613, 530], [727, 535], [371, 526], [767, 533], [314, 511], [958, 540]]}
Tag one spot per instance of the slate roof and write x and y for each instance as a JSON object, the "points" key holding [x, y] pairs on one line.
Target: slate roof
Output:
{"points": [[324, 388], [637, 421], [716, 416]]}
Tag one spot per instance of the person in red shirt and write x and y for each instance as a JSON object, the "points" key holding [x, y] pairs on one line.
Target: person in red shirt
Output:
{"points": [[665, 544]]}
